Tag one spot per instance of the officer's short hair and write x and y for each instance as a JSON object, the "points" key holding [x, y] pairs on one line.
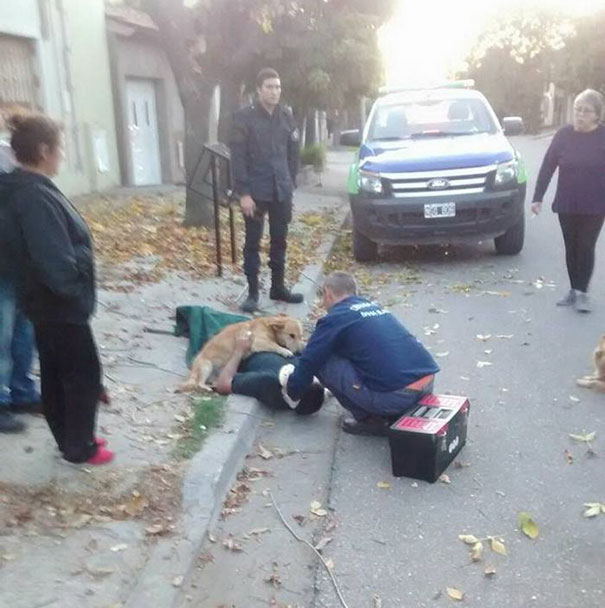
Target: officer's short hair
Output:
{"points": [[265, 74], [341, 283]]}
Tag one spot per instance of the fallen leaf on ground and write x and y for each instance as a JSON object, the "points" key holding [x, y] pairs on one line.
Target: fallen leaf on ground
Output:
{"points": [[99, 572], [505, 336], [574, 399], [230, 544], [569, 457], [498, 546], [484, 363], [594, 509], [159, 529], [177, 581], [443, 354], [489, 571], [321, 545], [443, 478], [384, 485], [377, 602], [587, 438], [330, 564], [264, 453], [477, 552], [468, 539], [528, 526], [121, 547], [315, 508], [455, 594], [136, 505], [484, 337], [258, 531]]}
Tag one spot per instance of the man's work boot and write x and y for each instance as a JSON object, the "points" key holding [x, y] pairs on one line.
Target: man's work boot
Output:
{"points": [[250, 304], [376, 426], [280, 292]]}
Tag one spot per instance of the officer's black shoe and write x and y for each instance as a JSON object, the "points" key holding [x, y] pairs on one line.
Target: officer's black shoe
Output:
{"points": [[281, 292], [371, 426], [251, 302], [10, 424]]}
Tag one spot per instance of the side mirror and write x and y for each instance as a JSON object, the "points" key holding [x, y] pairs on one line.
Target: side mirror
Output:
{"points": [[513, 125], [350, 138]]}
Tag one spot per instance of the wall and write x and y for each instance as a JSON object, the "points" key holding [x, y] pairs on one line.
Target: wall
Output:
{"points": [[72, 65]]}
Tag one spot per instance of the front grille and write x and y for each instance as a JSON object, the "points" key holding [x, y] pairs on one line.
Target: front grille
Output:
{"points": [[471, 180]]}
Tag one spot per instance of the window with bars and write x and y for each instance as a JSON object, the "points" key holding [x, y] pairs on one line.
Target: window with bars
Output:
{"points": [[18, 82]]}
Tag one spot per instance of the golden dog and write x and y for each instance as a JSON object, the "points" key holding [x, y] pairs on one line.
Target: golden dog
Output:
{"points": [[597, 379], [280, 334]]}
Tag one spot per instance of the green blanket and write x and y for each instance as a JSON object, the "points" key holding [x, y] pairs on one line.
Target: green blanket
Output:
{"points": [[200, 323]]}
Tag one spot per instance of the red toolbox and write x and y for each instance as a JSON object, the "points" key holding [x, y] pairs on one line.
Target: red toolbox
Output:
{"points": [[425, 440]]}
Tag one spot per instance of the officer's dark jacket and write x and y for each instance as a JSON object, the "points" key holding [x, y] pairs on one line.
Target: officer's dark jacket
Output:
{"points": [[384, 353], [264, 153], [45, 249]]}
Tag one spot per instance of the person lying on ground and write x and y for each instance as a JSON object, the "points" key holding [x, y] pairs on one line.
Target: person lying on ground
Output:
{"points": [[370, 362], [258, 376]]}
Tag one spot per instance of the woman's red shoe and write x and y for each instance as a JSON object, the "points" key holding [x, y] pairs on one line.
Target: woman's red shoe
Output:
{"points": [[102, 456]]}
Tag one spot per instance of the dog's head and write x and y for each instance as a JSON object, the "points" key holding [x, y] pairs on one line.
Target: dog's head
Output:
{"points": [[288, 332]]}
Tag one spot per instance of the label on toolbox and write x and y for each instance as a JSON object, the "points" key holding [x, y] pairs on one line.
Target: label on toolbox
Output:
{"points": [[419, 425], [453, 402]]}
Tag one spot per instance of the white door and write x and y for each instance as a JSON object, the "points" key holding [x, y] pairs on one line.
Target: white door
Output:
{"points": [[143, 128]]}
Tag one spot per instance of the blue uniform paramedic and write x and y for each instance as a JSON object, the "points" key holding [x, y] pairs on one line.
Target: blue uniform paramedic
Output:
{"points": [[264, 158], [372, 364]]}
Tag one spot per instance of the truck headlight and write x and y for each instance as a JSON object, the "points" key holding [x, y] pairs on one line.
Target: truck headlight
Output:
{"points": [[370, 182], [506, 172]]}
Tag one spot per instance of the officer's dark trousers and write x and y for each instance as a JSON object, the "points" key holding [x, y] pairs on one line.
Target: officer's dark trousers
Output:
{"points": [[280, 215], [342, 379], [70, 375]]}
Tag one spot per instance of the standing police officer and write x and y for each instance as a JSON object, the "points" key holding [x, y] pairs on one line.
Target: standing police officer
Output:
{"points": [[264, 156]]}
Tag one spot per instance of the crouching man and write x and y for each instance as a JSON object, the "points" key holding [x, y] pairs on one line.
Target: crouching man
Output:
{"points": [[258, 375], [372, 364]]}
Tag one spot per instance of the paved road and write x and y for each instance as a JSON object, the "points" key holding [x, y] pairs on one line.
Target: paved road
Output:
{"points": [[401, 544]]}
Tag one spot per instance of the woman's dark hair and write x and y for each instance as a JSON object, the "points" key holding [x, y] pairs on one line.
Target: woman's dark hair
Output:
{"points": [[265, 74], [28, 132]]}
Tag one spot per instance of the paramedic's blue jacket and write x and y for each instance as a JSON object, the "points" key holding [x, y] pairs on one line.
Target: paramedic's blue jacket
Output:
{"points": [[385, 354]]}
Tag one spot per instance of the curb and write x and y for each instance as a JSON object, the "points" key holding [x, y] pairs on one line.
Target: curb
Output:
{"points": [[210, 476]]}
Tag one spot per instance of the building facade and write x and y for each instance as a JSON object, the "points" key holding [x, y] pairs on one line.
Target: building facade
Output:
{"points": [[54, 58]]}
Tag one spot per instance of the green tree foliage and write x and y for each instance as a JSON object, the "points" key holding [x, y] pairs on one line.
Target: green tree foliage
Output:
{"points": [[514, 60]]}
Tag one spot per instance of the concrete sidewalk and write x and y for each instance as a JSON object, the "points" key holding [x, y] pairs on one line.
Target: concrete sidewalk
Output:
{"points": [[128, 534]]}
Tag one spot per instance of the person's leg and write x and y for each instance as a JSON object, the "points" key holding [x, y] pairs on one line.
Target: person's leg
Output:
{"points": [[342, 380], [80, 378], [25, 396], [570, 235], [53, 399], [8, 423], [254, 232], [589, 228], [280, 215]]}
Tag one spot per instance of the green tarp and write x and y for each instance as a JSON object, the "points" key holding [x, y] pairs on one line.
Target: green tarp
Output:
{"points": [[200, 323]]}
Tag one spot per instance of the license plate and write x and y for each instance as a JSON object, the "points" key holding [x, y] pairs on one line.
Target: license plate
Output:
{"points": [[440, 210]]}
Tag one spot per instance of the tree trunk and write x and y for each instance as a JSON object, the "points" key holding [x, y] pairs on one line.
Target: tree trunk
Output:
{"points": [[184, 48], [199, 210], [231, 91]]}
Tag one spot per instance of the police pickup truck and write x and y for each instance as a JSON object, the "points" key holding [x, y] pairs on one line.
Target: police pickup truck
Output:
{"points": [[435, 166]]}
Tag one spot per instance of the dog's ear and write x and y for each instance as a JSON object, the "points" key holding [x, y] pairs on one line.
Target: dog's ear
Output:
{"points": [[278, 322]]}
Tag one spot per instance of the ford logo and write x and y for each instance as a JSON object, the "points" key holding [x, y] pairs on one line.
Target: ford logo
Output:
{"points": [[438, 184]]}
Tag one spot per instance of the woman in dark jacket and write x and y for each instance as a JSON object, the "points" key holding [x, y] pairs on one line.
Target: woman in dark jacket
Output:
{"points": [[578, 151], [51, 247]]}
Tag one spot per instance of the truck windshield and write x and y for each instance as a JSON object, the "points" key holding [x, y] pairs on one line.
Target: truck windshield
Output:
{"points": [[431, 118]]}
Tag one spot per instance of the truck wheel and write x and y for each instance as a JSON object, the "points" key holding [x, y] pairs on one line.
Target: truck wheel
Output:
{"points": [[364, 250], [511, 242]]}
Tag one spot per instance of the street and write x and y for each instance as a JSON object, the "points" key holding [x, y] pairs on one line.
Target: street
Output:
{"points": [[492, 324]]}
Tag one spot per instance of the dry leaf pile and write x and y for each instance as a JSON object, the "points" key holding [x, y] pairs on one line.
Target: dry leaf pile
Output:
{"points": [[154, 498], [142, 238]]}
